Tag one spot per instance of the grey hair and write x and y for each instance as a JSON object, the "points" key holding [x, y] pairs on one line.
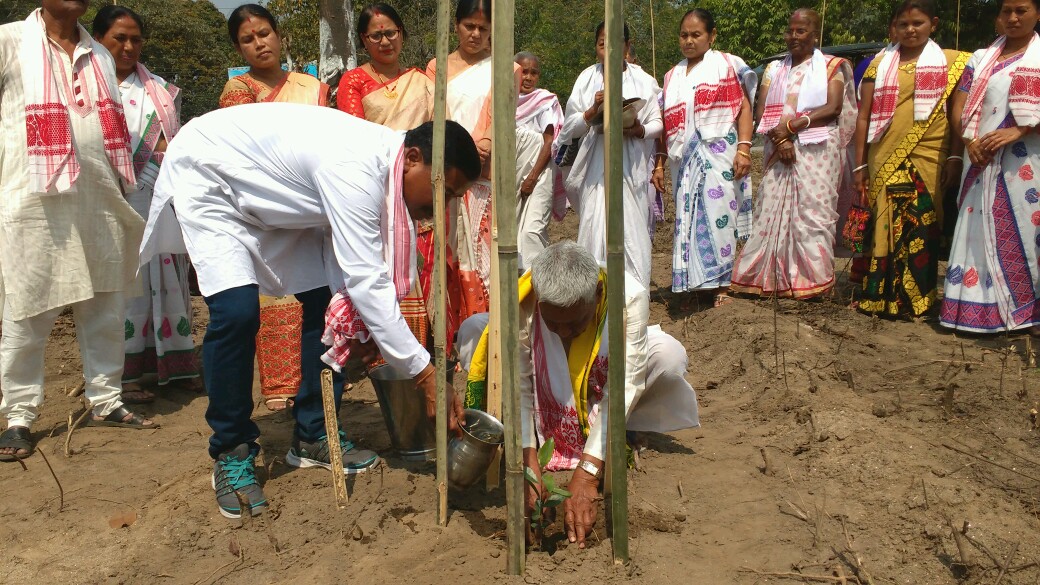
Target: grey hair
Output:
{"points": [[565, 275], [527, 55]]}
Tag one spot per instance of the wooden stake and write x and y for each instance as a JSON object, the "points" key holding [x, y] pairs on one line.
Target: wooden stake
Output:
{"points": [[503, 176], [328, 401], [1004, 567], [963, 552], [617, 486], [440, 286]]}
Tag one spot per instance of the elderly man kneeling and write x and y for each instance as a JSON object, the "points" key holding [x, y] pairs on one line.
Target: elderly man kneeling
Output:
{"points": [[563, 372]]}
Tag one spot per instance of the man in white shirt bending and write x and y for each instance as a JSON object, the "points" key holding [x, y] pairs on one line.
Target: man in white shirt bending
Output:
{"points": [[282, 199]]}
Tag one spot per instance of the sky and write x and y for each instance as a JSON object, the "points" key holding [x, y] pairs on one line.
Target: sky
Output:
{"points": [[226, 6]]}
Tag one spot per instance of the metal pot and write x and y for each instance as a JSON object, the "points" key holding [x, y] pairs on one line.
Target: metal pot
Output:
{"points": [[412, 434], [470, 456]]}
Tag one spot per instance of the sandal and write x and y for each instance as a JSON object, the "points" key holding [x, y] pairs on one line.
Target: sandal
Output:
{"points": [[118, 418], [19, 439], [722, 299], [279, 403], [134, 393]]}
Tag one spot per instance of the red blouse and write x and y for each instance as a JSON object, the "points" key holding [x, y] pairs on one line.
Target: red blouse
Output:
{"points": [[353, 86]]}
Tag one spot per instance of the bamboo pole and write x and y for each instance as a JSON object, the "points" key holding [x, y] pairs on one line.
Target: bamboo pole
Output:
{"points": [[957, 39], [616, 460], [823, 21], [653, 39], [440, 335], [503, 176], [328, 403]]}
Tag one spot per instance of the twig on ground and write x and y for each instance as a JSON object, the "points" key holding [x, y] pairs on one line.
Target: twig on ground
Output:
{"points": [[61, 490], [1012, 453], [238, 561], [861, 572], [798, 512], [803, 576], [935, 361], [1007, 563], [840, 572], [680, 489], [72, 427], [821, 511], [924, 488], [948, 393], [993, 463], [79, 389], [997, 561]]}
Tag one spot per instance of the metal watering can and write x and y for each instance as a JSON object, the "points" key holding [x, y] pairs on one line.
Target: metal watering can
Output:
{"points": [[470, 456]]}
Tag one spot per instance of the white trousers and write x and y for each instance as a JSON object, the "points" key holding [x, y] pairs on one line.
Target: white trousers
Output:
{"points": [[100, 334], [534, 211], [667, 403]]}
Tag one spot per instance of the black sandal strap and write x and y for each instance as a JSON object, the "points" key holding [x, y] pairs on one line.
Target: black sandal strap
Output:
{"points": [[119, 416]]}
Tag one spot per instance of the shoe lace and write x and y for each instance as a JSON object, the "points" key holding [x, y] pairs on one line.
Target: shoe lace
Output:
{"points": [[238, 473]]}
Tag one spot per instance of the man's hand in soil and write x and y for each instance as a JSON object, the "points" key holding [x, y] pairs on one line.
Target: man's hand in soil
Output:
{"points": [[427, 384], [579, 510]]}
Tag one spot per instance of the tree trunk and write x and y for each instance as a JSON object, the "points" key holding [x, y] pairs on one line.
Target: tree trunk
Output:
{"points": [[336, 41]]}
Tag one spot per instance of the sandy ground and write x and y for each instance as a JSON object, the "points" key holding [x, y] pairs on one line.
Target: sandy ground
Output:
{"points": [[832, 444]]}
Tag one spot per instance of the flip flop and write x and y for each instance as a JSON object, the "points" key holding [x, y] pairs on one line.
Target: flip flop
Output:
{"points": [[189, 385], [16, 438], [278, 403], [722, 299], [116, 419], [134, 393]]}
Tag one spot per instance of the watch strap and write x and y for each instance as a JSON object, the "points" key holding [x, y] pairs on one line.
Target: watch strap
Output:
{"points": [[590, 468]]}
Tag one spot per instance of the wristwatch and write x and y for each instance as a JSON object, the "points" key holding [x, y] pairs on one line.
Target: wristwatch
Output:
{"points": [[590, 468]]}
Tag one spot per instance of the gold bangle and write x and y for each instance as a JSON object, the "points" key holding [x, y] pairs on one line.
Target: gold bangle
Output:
{"points": [[783, 141], [742, 153]]}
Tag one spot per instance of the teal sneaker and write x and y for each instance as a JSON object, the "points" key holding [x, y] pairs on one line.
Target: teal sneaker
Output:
{"points": [[234, 481], [316, 454]]}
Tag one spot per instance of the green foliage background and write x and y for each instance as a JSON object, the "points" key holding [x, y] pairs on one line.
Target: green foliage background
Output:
{"points": [[188, 41], [187, 44]]}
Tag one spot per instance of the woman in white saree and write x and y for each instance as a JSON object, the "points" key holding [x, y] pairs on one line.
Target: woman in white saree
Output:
{"points": [[582, 129], [158, 307], [469, 104], [808, 116], [992, 278], [708, 125]]}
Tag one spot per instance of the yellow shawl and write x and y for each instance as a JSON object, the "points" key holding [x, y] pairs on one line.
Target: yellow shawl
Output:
{"points": [[582, 354]]}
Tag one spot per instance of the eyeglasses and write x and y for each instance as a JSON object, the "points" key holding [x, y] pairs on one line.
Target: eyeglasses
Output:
{"points": [[377, 37]]}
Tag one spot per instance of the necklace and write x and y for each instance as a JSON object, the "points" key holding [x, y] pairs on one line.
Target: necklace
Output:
{"points": [[389, 92]]}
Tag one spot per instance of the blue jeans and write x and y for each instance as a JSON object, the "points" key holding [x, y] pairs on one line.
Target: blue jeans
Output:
{"points": [[228, 351]]}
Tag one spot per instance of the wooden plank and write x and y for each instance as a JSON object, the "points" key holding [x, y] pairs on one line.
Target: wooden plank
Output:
{"points": [[328, 402]]}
